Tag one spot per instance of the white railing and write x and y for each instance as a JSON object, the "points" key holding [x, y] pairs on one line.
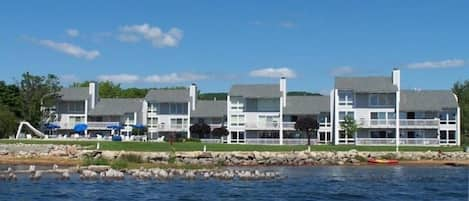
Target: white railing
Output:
{"points": [[101, 125], [211, 141], [262, 141], [262, 125], [404, 123], [402, 141], [432, 123], [377, 123], [299, 141]]}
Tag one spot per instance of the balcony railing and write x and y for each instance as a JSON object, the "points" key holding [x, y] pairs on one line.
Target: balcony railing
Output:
{"points": [[101, 125], [291, 125], [402, 141], [431, 123], [275, 141], [404, 123], [262, 125]]}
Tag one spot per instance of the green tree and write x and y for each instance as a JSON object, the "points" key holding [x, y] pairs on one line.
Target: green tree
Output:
{"points": [[220, 132], [35, 89], [10, 97], [200, 129], [308, 125], [461, 89], [8, 122], [350, 127]]}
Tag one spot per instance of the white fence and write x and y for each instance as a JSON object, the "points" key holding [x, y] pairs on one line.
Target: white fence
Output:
{"points": [[402, 141], [404, 123]]}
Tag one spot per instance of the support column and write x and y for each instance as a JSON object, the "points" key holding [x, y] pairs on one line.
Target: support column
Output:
{"points": [[281, 121], [188, 120], [398, 123], [335, 113]]}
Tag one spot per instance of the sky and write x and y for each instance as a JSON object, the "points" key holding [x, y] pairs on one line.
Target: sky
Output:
{"points": [[219, 43]]}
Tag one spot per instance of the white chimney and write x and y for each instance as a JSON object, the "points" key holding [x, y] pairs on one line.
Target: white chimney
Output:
{"points": [[193, 94], [396, 77], [283, 90], [93, 91]]}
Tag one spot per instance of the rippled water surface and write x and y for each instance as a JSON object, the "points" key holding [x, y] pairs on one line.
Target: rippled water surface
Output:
{"points": [[302, 183]]}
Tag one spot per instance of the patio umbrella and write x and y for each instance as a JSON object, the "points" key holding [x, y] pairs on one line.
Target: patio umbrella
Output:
{"points": [[51, 127], [80, 128]]}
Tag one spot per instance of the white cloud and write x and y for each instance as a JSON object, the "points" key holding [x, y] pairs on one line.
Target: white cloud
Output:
{"points": [[70, 49], [273, 72], [155, 35], [69, 78], [72, 32], [175, 77], [119, 78], [287, 24], [449, 63], [342, 70]]}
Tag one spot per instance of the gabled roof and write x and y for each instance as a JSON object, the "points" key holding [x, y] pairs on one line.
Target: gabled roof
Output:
{"points": [[209, 108], [307, 105], [256, 90], [74, 94], [168, 96], [366, 84], [116, 106], [427, 100]]}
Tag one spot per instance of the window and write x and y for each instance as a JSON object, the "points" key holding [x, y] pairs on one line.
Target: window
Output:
{"points": [[76, 107], [345, 97], [152, 122], [380, 100], [172, 108], [237, 120], [342, 115], [178, 123], [452, 135]]}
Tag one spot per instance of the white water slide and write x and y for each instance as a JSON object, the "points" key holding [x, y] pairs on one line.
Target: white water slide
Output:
{"points": [[31, 128]]}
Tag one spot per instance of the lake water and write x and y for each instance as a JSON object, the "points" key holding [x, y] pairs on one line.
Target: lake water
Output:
{"points": [[302, 183]]}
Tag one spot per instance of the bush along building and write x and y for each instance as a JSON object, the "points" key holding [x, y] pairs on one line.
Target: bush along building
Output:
{"points": [[383, 113]]}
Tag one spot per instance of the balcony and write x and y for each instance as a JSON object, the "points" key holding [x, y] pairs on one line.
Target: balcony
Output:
{"points": [[419, 123], [291, 125], [402, 141], [101, 125], [404, 123], [262, 126], [168, 128]]}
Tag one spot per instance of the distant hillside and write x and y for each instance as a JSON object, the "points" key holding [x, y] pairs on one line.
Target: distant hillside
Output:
{"points": [[211, 96]]}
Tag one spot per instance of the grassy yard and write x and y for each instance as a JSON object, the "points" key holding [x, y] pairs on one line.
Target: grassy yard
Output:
{"points": [[194, 146]]}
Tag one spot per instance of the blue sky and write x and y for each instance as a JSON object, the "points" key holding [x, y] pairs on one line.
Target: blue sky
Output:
{"points": [[218, 43]]}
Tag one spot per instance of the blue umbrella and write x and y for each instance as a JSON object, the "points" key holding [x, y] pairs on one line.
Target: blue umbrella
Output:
{"points": [[80, 128], [139, 126], [51, 126]]}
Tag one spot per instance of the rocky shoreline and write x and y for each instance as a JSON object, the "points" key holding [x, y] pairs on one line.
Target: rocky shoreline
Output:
{"points": [[255, 158]]}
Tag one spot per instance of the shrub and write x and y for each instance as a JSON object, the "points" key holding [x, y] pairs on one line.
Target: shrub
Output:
{"points": [[95, 161], [132, 158], [119, 164]]}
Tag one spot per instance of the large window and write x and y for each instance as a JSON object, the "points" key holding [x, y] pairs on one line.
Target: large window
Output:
{"points": [[172, 108], [380, 100], [76, 107], [345, 97]]}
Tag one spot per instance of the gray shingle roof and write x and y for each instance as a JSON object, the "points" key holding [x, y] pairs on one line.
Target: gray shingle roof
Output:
{"points": [[168, 96], [116, 106], [427, 100], [74, 94], [366, 84], [209, 108], [256, 91], [307, 105]]}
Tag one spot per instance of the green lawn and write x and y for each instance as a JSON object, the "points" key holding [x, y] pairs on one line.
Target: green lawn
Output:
{"points": [[194, 146]]}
